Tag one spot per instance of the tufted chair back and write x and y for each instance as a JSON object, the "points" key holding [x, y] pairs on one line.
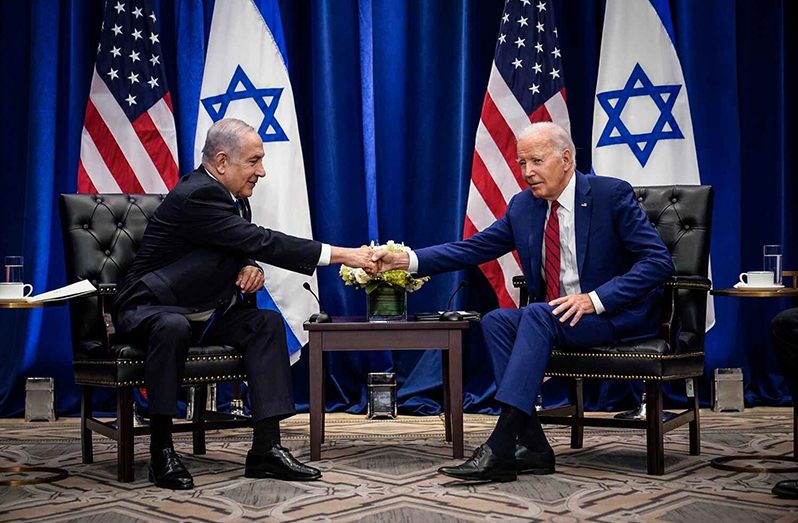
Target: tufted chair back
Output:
{"points": [[682, 215], [101, 234]]}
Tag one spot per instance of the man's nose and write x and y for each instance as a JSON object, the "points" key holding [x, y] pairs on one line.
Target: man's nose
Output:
{"points": [[260, 171]]}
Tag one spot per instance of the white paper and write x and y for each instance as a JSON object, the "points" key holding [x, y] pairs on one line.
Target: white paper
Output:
{"points": [[64, 293]]}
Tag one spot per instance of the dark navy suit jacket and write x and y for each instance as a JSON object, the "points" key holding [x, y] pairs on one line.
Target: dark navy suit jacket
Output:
{"points": [[193, 249], [619, 253]]}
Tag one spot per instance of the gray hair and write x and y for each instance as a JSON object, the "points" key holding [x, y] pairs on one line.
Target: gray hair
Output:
{"points": [[559, 137], [225, 136]]}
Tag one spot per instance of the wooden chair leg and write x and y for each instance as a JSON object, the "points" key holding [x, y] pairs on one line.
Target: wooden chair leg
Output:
{"points": [[578, 431], [655, 444], [86, 448], [794, 421], [695, 425], [124, 427], [447, 405], [198, 434]]}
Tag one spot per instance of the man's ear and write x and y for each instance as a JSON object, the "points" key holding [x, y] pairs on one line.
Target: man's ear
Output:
{"points": [[568, 159], [220, 162]]}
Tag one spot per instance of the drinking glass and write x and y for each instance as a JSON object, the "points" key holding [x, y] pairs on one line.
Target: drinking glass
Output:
{"points": [[14, 265], [771, 261]]}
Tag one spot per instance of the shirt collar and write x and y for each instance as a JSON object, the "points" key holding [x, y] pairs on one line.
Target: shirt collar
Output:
{"points": [[233, 196], [568, 195]]}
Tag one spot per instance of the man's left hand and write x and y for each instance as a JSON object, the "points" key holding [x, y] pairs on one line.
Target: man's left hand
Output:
{"points": [[573, 306], [250, 279]]}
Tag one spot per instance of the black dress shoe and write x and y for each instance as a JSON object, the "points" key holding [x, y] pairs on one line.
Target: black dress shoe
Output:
{"points": [[786, 489], [278, 463], [534, 462], [166, 471], [484, 465]]}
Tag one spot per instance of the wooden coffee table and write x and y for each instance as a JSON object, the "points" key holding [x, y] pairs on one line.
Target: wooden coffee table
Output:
{"points": [[356, 334]]}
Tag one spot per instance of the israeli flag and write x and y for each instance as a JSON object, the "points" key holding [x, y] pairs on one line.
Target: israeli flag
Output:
{"points": [[642, 130], [246, 77]]}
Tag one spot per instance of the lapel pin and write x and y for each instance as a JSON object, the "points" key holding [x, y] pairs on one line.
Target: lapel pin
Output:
{"points": [[584, 204]]}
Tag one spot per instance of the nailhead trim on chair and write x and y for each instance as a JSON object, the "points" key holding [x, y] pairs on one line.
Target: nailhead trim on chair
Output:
{"points": [[122, 363], [619, 377], [137, 383], [687, 285], [626, 355]]}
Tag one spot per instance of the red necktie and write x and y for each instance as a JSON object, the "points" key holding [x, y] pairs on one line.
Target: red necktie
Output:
{"points": [[553, 253]]}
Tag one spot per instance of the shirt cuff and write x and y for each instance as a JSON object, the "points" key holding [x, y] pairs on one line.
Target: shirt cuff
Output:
{"points": [[413, 265], [326, 254], [596, 302]]}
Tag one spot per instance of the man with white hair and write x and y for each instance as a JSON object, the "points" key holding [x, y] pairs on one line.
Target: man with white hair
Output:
{"points": [[187, 285], [593, 265]]}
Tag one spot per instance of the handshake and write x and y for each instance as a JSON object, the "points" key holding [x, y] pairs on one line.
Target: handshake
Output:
{"points": [[372, 260]]}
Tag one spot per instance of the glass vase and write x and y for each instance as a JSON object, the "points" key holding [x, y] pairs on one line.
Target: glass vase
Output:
{"points": [[387, 303]]}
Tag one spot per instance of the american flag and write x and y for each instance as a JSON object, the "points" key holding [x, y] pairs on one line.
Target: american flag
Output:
{"points": [[128, 142], [526, 85]]}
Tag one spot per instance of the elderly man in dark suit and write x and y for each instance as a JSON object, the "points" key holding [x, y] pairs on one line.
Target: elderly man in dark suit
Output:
{"points": [[187, 283], [592, 262], [784, 332]]}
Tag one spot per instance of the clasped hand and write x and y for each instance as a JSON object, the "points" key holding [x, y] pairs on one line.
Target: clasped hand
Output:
{"points": [[386, 260]]}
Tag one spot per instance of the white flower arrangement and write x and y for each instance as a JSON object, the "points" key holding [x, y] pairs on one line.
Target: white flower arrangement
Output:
{"points": [[397, 278]]}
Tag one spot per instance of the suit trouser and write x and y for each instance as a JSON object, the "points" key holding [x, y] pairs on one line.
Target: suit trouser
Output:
{"points": [[259, 334], [520, 340], [784, 330]]}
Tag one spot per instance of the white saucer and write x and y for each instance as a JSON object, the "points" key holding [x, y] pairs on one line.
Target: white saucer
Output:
{"points": [[740, 285]]}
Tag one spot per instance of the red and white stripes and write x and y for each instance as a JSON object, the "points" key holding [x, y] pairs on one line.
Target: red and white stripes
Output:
{"points": [[117, 155]]}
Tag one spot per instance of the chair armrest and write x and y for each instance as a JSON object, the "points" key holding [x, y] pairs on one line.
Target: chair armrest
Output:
{"points": [[697, 283], [519, 282], [106, 293], [671, 325]]}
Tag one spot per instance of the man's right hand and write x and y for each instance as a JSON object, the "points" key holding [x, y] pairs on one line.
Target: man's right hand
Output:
{"points": [[388, 261], [355, 258]]}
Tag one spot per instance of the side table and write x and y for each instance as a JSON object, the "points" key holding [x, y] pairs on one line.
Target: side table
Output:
{"points": [[55, 474], [722, 463], [356, 334]]}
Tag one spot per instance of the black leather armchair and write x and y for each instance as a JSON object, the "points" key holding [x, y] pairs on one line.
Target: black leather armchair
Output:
{"points": [[101, 233], [682, 216]]}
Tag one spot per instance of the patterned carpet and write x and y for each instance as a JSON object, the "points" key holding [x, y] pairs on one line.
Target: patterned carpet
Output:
{"points": [[384, 471]]}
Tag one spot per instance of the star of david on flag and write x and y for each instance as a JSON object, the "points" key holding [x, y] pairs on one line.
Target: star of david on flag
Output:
{"points": [[267, 100], [614, 102]]}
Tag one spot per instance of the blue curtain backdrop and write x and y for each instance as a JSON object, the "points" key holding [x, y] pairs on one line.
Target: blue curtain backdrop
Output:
{"points": [[388, 95]]}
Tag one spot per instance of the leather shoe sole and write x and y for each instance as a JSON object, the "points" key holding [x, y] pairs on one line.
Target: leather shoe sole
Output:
{"points": [[535, 463], [787, 489], [484, 465], [285, 476], [501, 475], [278, 463], [172, 484]]}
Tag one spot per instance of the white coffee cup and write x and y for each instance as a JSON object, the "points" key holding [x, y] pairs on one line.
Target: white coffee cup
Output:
{"points": [[757, 278], [15, 291]]}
